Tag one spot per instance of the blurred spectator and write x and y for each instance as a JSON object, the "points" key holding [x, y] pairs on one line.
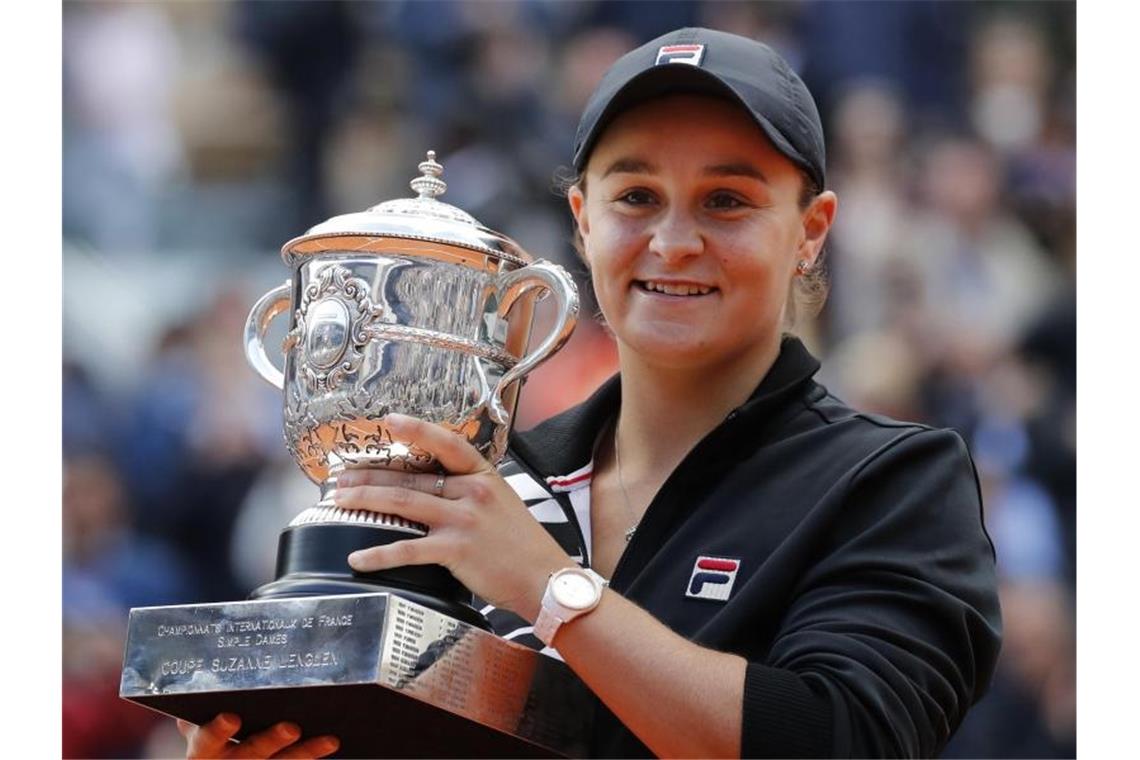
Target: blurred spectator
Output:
{"points": [[203, 427], [107, 569], [120, 60], [867, 256], [1050, 353], [631, 17], [981, 275], [89, 419], [155, 442], [309, 50], [279, 493], [919, 46], [1030, 710], [877, 371], [1024, 107], [1010, 82]]}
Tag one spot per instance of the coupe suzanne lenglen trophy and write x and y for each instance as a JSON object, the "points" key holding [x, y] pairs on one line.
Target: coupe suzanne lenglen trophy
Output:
{"points": [[411, 306]]}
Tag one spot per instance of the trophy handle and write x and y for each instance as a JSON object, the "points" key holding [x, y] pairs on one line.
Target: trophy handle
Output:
{"points": [[267, 307], [551, 277]]}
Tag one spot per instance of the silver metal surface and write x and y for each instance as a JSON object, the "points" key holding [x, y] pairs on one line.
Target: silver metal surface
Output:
{"points": [[257, 648], [409, 307], [323, 514], [267, 307], [424, 218]]}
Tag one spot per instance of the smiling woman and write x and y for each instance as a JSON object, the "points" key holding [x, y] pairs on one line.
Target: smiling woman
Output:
{"points": [[694, 234], [732, 559], [809, 288]]}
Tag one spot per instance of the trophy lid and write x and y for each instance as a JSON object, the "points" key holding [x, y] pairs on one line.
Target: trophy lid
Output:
{"points": [[423, 218]]}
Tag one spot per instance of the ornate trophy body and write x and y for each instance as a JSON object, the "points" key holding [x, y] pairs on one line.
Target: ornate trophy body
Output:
{"points": [[410, 307]]}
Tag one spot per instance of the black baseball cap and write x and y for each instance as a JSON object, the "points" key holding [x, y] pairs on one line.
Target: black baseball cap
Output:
{"points": [[706, 61]]}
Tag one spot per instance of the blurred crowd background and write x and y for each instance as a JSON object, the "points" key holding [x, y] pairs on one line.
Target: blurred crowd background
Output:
{"points": [[200, 136]]}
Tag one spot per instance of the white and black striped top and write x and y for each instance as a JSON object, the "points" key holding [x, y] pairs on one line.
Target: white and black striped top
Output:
{"points": [[562, 505]]}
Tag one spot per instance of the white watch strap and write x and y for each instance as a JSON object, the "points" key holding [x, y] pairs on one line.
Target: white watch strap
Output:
{"points": [[549, 620], [546, 625]]}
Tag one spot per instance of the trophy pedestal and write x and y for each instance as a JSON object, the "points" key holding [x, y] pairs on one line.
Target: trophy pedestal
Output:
{"points": [[387, 676]]}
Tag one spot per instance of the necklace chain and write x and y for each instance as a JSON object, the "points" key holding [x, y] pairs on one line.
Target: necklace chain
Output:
{"points": [[624, 493]]}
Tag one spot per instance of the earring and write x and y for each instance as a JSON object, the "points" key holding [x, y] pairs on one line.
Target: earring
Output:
{"points": [[802, 267]]}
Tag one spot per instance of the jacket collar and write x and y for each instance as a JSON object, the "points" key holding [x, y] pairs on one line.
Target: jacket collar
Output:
{"points": [[565, 442]]}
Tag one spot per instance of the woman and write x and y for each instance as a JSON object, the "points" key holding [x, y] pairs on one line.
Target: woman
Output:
{"points": [[786, 576]]}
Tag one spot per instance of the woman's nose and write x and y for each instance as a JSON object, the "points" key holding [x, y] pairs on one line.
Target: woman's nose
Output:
{"points": [[676, 237]]}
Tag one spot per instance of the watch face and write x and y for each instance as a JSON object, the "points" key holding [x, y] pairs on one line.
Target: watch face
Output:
{"points": [[574, 590]]}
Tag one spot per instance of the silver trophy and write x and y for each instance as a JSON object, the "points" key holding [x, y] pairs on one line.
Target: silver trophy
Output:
{"points": [[410, 307]]}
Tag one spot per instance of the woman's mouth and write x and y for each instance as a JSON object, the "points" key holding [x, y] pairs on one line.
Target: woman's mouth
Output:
{"points": [[674, 288]]}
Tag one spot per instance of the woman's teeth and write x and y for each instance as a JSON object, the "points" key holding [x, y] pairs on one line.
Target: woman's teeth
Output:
{"points": [[676, 290]]}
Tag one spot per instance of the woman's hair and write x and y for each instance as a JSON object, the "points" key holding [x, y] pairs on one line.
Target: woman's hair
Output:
{"points": [[808, 290]]}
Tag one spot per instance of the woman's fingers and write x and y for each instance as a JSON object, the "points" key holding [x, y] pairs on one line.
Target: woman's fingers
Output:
{"points": [[436, 484], [209, 739], [318, 746], [267, 743], [212, 740], [411, 551], [409, 504], [451, 449]]}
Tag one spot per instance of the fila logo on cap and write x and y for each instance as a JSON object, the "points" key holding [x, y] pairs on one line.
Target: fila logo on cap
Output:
{"points": [[690, 54], [712, 578]]}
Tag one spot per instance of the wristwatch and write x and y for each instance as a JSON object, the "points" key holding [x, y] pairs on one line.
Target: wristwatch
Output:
{"points": [[570, 593]]}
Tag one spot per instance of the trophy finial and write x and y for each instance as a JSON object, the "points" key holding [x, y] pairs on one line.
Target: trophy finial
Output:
{"points": [[429, 185]]}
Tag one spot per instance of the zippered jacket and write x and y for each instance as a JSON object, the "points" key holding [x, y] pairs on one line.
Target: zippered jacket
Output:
{"points": [[842, 554]]}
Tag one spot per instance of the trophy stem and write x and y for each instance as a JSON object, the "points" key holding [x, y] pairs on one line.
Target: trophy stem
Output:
{"points": [[328, 490]]}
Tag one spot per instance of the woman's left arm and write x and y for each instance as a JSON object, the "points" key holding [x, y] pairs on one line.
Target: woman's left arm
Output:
{"points": [[678, 698]]}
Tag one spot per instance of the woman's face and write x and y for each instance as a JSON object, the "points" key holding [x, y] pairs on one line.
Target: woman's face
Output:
{"points": [[692, 227]]}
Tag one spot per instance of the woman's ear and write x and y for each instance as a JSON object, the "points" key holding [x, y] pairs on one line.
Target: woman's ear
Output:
{"points": [[577, 200], [818, 218]]}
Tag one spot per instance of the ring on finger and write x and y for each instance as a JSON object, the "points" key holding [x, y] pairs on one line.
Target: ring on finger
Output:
{"points": [[438, 488]]}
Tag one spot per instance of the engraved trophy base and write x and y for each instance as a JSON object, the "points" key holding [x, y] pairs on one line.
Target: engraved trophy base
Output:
{"points": [[312, 561], [389, 677]]}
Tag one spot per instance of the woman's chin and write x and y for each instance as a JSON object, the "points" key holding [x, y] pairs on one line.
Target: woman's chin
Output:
{"points": [[683, 347], [677, 348]]}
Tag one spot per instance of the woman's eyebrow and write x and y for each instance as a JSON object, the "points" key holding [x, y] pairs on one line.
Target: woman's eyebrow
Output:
{"points": [[736, 169], [630, 166]]}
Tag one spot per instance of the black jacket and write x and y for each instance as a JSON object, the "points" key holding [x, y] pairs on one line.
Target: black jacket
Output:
{"points": [[865, 600]]}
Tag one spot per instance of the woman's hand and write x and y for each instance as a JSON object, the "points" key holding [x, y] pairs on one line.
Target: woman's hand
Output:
{"points": [[480, 530], [279, 741]]}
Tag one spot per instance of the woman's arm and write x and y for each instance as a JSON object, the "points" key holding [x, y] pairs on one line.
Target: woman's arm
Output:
{"points": [[679, 699]]}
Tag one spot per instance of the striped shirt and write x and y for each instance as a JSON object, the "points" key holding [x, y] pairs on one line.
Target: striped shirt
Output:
{"points": [[562, 505]]}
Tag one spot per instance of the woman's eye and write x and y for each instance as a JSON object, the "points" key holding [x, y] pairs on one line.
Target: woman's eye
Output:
{"points": [[725, 201], [636, 197]]}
